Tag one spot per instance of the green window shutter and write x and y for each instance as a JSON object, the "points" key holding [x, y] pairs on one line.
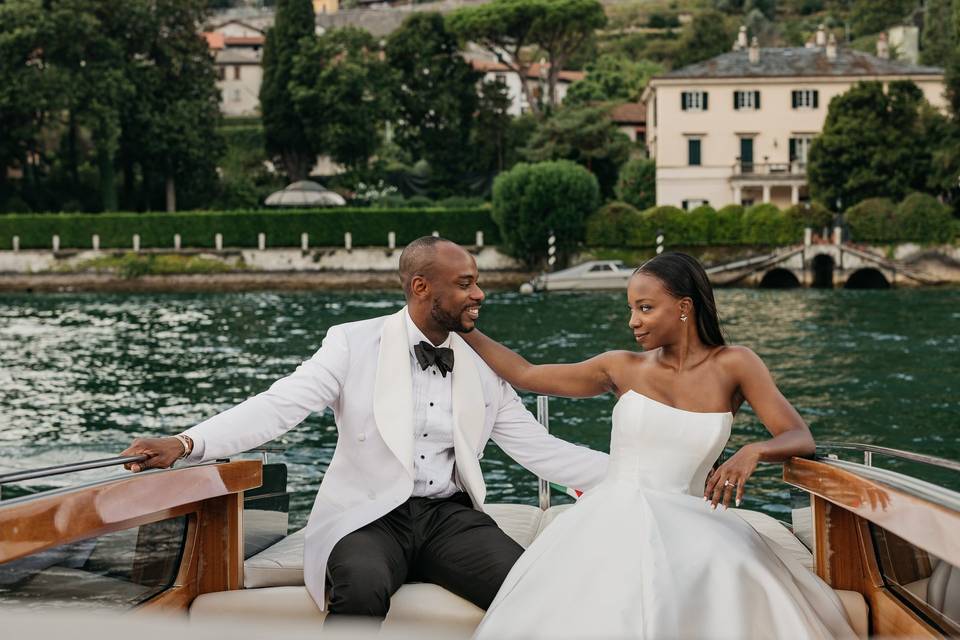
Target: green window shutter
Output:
{"points": [[693, 151], [756, 99], [705, 95], [683, 100], [793, 149], [793, 99], [816, 99], [736, 100]]}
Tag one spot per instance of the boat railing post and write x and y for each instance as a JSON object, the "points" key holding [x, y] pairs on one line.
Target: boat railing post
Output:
{"points": [[868, 458], [543, 417]]}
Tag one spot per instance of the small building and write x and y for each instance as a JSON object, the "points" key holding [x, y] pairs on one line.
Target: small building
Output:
{"points": [[631, 119], [737, 128], [536, 80], [325, 7], [237, 50]]}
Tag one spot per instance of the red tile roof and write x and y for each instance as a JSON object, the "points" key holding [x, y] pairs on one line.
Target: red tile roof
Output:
{"points": [[244, 41], [629, 113], [215, 40]]}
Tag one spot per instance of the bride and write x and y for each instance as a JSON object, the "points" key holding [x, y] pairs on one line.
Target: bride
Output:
{"points": [[652, 552]]}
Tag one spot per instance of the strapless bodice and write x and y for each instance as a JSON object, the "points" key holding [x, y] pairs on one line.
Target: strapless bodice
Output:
{"points": [[656, 446]]}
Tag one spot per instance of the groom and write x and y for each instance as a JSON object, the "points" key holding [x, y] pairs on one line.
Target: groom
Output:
{"points": [[402, 499]]}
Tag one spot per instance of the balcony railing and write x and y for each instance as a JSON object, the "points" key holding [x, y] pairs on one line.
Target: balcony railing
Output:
{"points": [[786, 169]]}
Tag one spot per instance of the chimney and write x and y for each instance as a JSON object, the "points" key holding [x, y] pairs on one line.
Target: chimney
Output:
{"points": [[821, 37], [742, 37], [832, 48], [754, 51], [883, 47]]}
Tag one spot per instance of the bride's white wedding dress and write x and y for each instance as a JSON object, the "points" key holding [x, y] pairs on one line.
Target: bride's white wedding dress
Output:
{"points": [[643, 556]]}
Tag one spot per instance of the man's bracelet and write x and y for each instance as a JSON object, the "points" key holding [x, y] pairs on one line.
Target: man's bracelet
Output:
{"points": [[187, 443]]}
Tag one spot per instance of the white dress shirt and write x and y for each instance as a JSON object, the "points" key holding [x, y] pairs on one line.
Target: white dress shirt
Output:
{"points": [[433, 452]]}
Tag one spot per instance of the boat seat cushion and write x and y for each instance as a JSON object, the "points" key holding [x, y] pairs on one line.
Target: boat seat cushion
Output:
{"points": [[420, 606], [282, 564]]}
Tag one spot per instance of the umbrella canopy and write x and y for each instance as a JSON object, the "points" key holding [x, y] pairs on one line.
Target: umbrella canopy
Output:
{"points": [[305, 193]]}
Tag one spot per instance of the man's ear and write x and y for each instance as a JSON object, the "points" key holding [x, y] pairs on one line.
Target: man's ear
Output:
{"points": [[419, 287]]}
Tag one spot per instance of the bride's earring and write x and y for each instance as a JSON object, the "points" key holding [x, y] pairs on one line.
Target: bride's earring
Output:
{"points": [[683, 318]]}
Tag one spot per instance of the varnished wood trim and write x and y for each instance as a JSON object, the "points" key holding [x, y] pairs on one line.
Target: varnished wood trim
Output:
{"points": [[920, 522], [891, 618], [34, 525]]}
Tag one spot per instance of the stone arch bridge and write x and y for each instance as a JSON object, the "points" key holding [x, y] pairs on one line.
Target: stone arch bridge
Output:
{"points": [[818, 265]]}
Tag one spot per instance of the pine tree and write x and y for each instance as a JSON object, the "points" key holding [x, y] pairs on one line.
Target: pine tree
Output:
{"points": [[283, 128]]}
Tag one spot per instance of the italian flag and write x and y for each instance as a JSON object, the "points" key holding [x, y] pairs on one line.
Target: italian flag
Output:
{"points": [[573, 493]]}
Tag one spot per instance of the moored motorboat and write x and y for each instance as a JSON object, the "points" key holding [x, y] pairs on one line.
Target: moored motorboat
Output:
{"points": [[592, 275]]}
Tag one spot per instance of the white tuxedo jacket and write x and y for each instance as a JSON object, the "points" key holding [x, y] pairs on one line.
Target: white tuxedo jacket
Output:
{"points": [[362, 372]]}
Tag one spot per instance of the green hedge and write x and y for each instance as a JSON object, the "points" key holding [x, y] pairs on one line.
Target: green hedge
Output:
{"points": [[760, 224], [918, 218], [326, 227]]}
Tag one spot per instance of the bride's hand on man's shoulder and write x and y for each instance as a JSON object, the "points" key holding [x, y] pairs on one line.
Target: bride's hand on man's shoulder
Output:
{"points": [[727, 482]]}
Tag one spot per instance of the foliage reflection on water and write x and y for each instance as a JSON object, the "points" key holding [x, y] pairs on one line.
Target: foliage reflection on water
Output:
{"points": [[80, 375]]}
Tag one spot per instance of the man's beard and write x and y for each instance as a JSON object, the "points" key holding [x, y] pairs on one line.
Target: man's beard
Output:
{"points": [[445, 320]]}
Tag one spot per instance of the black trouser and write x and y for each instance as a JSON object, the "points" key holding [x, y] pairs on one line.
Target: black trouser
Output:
{"points": [[439, 540]]}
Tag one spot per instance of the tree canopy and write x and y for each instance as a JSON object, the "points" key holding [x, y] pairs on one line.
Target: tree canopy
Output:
{"points": [[557, 28], [434, 93], [874, 144], [284, 130], [339, 86]]}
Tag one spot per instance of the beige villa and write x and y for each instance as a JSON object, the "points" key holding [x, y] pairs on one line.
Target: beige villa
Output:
{"points": [[737, 128]]}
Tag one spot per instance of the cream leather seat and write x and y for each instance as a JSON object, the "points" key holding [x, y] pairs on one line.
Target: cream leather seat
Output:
{"points": [[273, 580]]}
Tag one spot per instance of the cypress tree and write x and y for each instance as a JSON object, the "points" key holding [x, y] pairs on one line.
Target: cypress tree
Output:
{"points": [[283, 129]]}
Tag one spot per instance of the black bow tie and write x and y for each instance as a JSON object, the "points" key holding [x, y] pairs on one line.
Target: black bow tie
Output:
{"points": [[427, 354]]}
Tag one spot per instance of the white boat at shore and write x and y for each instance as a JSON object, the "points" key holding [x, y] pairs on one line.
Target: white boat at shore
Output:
{"points": [[592, 275]]}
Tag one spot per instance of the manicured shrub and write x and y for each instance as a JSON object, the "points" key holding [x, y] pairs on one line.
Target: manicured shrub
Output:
{"points": [[872, 220], [612, 225], [729, 225], [766, 224], [637, 183], [240, 228], [668, 220], [811, 214], [530, 200], [702, 225], [923, 218]]}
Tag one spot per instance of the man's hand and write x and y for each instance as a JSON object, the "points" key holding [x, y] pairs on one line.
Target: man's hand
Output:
{"points": [[162, 453]]}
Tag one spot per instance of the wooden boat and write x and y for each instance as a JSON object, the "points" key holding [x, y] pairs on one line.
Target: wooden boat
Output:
{"points": [[209, 542]]}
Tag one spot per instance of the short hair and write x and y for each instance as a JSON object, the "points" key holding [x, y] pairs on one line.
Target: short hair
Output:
{"points": [[417, 260]]}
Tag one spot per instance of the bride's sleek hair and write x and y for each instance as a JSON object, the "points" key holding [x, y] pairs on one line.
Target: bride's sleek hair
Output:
{"points": [[683, 277]]}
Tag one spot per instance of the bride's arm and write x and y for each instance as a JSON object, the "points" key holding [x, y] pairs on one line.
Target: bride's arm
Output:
{"points": [[791, 436], [581, 380]]}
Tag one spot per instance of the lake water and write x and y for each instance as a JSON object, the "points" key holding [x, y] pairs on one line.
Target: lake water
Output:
{"points": [[82, 374]]}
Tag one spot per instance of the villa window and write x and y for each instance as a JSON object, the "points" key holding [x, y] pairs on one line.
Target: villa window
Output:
{"points": [[236, 72], [799, 148], [693, 152], [743, 100], [690, 205], [693, 100], [805, 98]]}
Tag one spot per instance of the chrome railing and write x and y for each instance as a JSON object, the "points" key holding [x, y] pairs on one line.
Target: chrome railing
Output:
{"points": [[543, 417], [72, 467], [868, 450]]}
